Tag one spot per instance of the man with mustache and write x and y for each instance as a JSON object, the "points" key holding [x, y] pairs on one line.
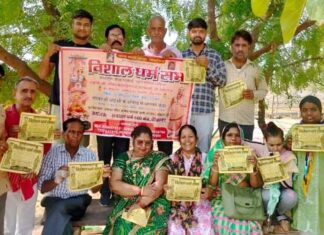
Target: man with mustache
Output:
{"points": [[81, 31], [203, 97], [239, 67], [21, 200], [108, 146]]}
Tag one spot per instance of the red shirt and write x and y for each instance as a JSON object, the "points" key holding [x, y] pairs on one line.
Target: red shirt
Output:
{"points": [[16, 180]]}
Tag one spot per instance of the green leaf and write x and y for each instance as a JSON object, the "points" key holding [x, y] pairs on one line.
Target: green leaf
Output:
{"points": [[290, 16], [9, 11], [315, 10], [260, 7]]}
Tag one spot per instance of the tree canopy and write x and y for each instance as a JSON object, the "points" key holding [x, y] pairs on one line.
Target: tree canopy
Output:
{"points": [[28, 26]]}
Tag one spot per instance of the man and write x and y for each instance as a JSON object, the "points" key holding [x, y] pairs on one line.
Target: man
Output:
{"points": [[156, 30], [203, 97], [62, 205], [115, 41], [20, 202], [81, 31], [239, 67]]}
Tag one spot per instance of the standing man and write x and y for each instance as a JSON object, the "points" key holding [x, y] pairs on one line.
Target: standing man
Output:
{"points": [[81, 31], [239, 67], [62, 205], [156, 30], [108, 146], [21, 200], [203, 97]]}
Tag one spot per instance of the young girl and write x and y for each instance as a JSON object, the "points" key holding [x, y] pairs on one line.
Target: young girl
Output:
{"points": [[282, 196], [309, 214]]}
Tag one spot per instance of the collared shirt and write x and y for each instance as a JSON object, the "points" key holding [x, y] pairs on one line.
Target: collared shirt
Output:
{"points": [[203, 97], [251, 74], [148, 52], [58, 156]]}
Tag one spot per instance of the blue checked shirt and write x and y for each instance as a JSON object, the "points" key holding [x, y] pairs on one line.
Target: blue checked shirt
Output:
{"points": [[57, 157], [203, 97]]}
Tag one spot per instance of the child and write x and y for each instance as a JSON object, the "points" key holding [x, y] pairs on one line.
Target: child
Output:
{"points": [[281, 195], [309, 214]]}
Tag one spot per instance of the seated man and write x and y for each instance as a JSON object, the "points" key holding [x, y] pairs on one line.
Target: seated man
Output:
{"points": [[62, 205]]}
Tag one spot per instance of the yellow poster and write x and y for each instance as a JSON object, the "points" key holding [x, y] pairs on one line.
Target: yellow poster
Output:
{"points": [[232, 94], [193, 72], [272, 170], [308, 138], [137, 216], [36, 127], [84, 175], [22, 157], [233, 159], [184, 188]]}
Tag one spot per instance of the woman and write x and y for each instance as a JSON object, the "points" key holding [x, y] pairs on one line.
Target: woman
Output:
{"points": [[232, 135], [188, 160], [138, 177], [309, 214]]}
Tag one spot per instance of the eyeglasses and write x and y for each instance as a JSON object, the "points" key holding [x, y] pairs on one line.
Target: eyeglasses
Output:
{"points": [[146, 143]]}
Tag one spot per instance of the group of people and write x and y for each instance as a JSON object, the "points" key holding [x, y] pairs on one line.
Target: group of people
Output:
{"points": [[138, 177]]}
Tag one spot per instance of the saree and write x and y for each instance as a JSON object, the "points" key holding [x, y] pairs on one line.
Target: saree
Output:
{"points": [[139, 172], [308, 215], [224, 225]]}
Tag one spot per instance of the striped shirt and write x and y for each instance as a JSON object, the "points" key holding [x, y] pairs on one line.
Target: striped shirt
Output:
{"points": [[203, 97], [58, 156]]}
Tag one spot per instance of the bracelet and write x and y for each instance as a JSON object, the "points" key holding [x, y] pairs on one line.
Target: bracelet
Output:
{"points": [[213, 170], [142, 191], [211, 186], [141, 205]]}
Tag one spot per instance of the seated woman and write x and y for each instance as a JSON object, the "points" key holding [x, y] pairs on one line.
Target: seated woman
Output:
{"points": [[138, 177], [232, 135], [188, 160]]}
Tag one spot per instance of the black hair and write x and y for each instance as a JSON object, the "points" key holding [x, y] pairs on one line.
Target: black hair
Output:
{"points": [[141, 130], [272, 130], [114, 26], [71, 120], [82, 14], [2, 72], [311, 99], [191, 127], [228, 127], [242, 34], [197, 23]]}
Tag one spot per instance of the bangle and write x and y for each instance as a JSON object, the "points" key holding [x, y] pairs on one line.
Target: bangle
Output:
{"points": [[213, 170], [211, 186], [141, 205]]}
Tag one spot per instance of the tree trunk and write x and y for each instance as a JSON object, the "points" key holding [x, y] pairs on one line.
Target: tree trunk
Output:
{"points": [[212, 21], [24, 70]]}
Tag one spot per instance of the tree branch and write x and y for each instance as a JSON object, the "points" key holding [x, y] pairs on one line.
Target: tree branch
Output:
{"points": [[304, 60], [273, 45], [212, 21], [51, 9], [23, 69]]}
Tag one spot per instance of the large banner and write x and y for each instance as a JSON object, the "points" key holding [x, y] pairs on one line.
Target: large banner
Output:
{"points": [[116, 92]]}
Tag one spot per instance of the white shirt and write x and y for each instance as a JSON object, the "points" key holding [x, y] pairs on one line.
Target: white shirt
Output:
{"points": [[251, 74]]}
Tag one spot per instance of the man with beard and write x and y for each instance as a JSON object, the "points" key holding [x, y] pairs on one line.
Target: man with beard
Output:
{"points": [[203, 97], [81, 31], [108, 146], [21, 199], [239, 67]]}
